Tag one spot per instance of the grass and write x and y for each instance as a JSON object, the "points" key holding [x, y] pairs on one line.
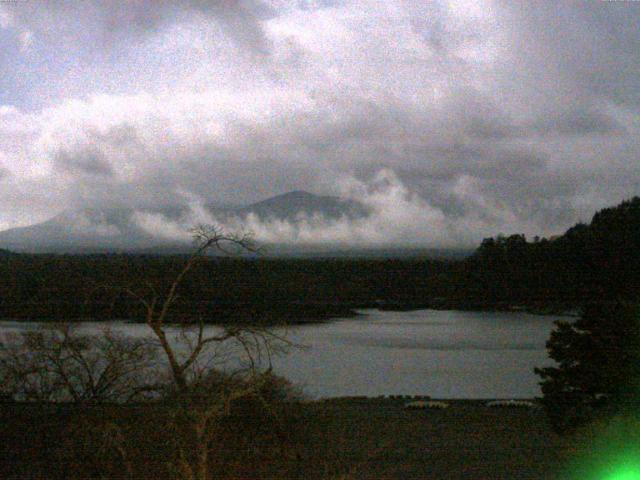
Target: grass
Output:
{"points": [[332, 439], [380, 439]]}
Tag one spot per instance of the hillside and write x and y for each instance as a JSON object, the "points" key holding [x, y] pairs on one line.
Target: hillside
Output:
{"points": [[588, 261], [290, 206], [128, 229]]}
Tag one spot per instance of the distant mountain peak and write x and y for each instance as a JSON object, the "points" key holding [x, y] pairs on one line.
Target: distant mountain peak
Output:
{"points": [[291, 205], [296, 193], [100, 229], [293, 195]]}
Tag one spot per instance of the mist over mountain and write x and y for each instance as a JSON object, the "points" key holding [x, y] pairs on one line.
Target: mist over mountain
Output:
{"points": [[167, 228], [294, 205], [450, 121]]}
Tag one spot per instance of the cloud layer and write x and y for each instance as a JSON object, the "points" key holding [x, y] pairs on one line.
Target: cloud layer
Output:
{"points": [[451, 120]]}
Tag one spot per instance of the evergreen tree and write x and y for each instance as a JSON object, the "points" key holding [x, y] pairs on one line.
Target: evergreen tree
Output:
{"points": [[598, 365]]}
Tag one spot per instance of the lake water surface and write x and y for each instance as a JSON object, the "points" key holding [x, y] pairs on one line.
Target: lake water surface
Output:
{"points": [[445, 354]]}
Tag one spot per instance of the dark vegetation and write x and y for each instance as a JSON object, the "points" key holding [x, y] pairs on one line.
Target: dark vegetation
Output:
{"points": [[346, 440], [589, 262], [595, 260], [597, 370], [204, 380], [135, 440], [220, 289]]}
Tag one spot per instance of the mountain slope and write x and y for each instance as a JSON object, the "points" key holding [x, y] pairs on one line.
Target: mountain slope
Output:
{"points": [[84, 230], [120, 229], [290, 206], [589, 261]]}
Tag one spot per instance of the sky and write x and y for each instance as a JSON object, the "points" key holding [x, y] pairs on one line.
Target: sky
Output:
{"points": [[452, 120]]}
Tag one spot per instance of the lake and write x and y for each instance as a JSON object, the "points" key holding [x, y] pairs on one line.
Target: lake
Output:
{"points": [[444, 354]]}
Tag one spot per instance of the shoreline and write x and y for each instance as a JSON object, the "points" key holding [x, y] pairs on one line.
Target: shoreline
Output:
{"points": [[311, 318]]}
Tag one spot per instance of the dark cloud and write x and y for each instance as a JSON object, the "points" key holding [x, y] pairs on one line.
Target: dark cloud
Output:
{"points": [[87, 161], [118, 136], [119, 21], [588, 48], [478, 118], [491, 129], [579, 120], [240, 20]]}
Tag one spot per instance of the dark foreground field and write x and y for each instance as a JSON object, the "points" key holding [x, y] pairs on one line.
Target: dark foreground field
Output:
{"points": [[334, 439], [380, 439]]}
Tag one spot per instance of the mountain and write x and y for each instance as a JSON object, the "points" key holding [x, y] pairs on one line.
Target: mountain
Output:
{"points": [[145, 229], [83, 230], [290, 206]]}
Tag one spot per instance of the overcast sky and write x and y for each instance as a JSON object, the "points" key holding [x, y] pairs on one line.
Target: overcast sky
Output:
{"points": [[457, 120]]}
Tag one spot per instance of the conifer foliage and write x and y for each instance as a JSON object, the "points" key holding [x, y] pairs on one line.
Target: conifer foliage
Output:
{"points": [[598, 365]]}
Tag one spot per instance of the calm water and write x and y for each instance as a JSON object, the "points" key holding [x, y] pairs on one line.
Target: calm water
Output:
{"points": [[446, 354]]}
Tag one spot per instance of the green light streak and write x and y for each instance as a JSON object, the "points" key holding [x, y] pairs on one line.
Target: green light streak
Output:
{"points": [[606, 450], [625, 472]]}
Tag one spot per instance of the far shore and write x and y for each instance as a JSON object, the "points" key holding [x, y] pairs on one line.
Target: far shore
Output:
{"points": [[320, 313]]}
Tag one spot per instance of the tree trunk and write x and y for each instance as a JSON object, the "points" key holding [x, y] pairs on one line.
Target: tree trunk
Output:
{"points": [[202, 450], [176, 370]]}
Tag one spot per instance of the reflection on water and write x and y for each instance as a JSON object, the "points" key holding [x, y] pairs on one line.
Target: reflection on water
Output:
{"points": [[447, 354]]}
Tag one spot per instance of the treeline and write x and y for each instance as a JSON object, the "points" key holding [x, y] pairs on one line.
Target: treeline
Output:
{"points": [[588, 261], [217, 289]]}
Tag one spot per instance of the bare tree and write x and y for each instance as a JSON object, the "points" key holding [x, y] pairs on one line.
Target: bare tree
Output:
{"points": [[210, 368], [209, 371], [255, 342], [57, 363]]}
